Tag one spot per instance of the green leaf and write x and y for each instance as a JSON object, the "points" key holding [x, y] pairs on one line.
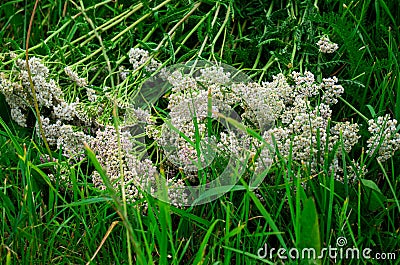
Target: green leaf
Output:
{"points": [[309, 232], [213, 193], [202, 250], [100, 170], [372, 111], [6, 203], [267, 216], [87, 201], [190, 217], [17, 146], [373, 195], [234, 231], [370, 184]]}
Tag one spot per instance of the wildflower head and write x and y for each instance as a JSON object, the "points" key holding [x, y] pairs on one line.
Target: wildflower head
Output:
{"points": [[327, 46]]}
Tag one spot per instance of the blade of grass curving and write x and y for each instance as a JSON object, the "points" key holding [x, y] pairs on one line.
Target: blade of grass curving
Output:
{"points": [[113, 224], [120, 209], [202, 248], [13, 139], [35, 102], [147, 245], [250, 255], [213, 43], [309, 233], [390, 184], [265, 214]]}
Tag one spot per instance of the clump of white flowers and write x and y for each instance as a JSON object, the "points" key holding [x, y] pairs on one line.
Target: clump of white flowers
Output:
{"points": [[346, 132], [65, 138], [384, 140], [91, 94], [294, 113], [18, 93], [331, 90], [327, 46], [80, 81], [139, 57], [123, 73], [195, 99], [206, 113], [138, 175], [18, 117], [214, 75]]}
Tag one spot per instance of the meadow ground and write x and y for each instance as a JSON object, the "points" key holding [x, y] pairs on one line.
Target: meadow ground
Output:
{"points": [[316, 86]]}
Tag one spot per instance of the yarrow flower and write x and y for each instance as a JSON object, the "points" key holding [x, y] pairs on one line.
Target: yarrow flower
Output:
{"points": [[347, 132], [19, 95], [327, 46], [331, 90], [64, 138], [206, 94], [18, 117], [81, 82], [91, 94], [301, 124], [384, 140], [214, 75], [139, 57], [293, 114], [65, 111], [123, 73], [138, 175]]}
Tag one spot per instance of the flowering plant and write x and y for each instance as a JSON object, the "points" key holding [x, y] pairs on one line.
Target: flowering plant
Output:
{"points": [[292, 117]]}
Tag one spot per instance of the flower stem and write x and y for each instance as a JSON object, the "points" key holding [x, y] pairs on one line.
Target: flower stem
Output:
{"points": [[35, 103]]}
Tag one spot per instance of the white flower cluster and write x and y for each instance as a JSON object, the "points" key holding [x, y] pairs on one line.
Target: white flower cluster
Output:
{"points": [[214, 75], [291, 113], [305, 84], [384, 140], [18, 117], [237, 144], [123, 73], [262, 104], [138, 175], [80, 81], [48, 94], [195, 99], [331, 90], [302, 123], [47, 91], [354, 170], [91, 94], [15, 96], [346, 132], [65, 111], [302, 127], [142, 116], [327, 46], [177, 148], [304, 131], [181, 83], [139, 57], [65, 138]]}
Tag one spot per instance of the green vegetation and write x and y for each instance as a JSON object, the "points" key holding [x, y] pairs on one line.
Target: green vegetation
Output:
{"points": [[52, 209]]}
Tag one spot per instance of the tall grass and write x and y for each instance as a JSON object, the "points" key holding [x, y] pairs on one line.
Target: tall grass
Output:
{"points": [[45, 222]]}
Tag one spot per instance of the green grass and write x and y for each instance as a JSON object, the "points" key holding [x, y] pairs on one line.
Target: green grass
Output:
{"points": [[45, 222]]}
